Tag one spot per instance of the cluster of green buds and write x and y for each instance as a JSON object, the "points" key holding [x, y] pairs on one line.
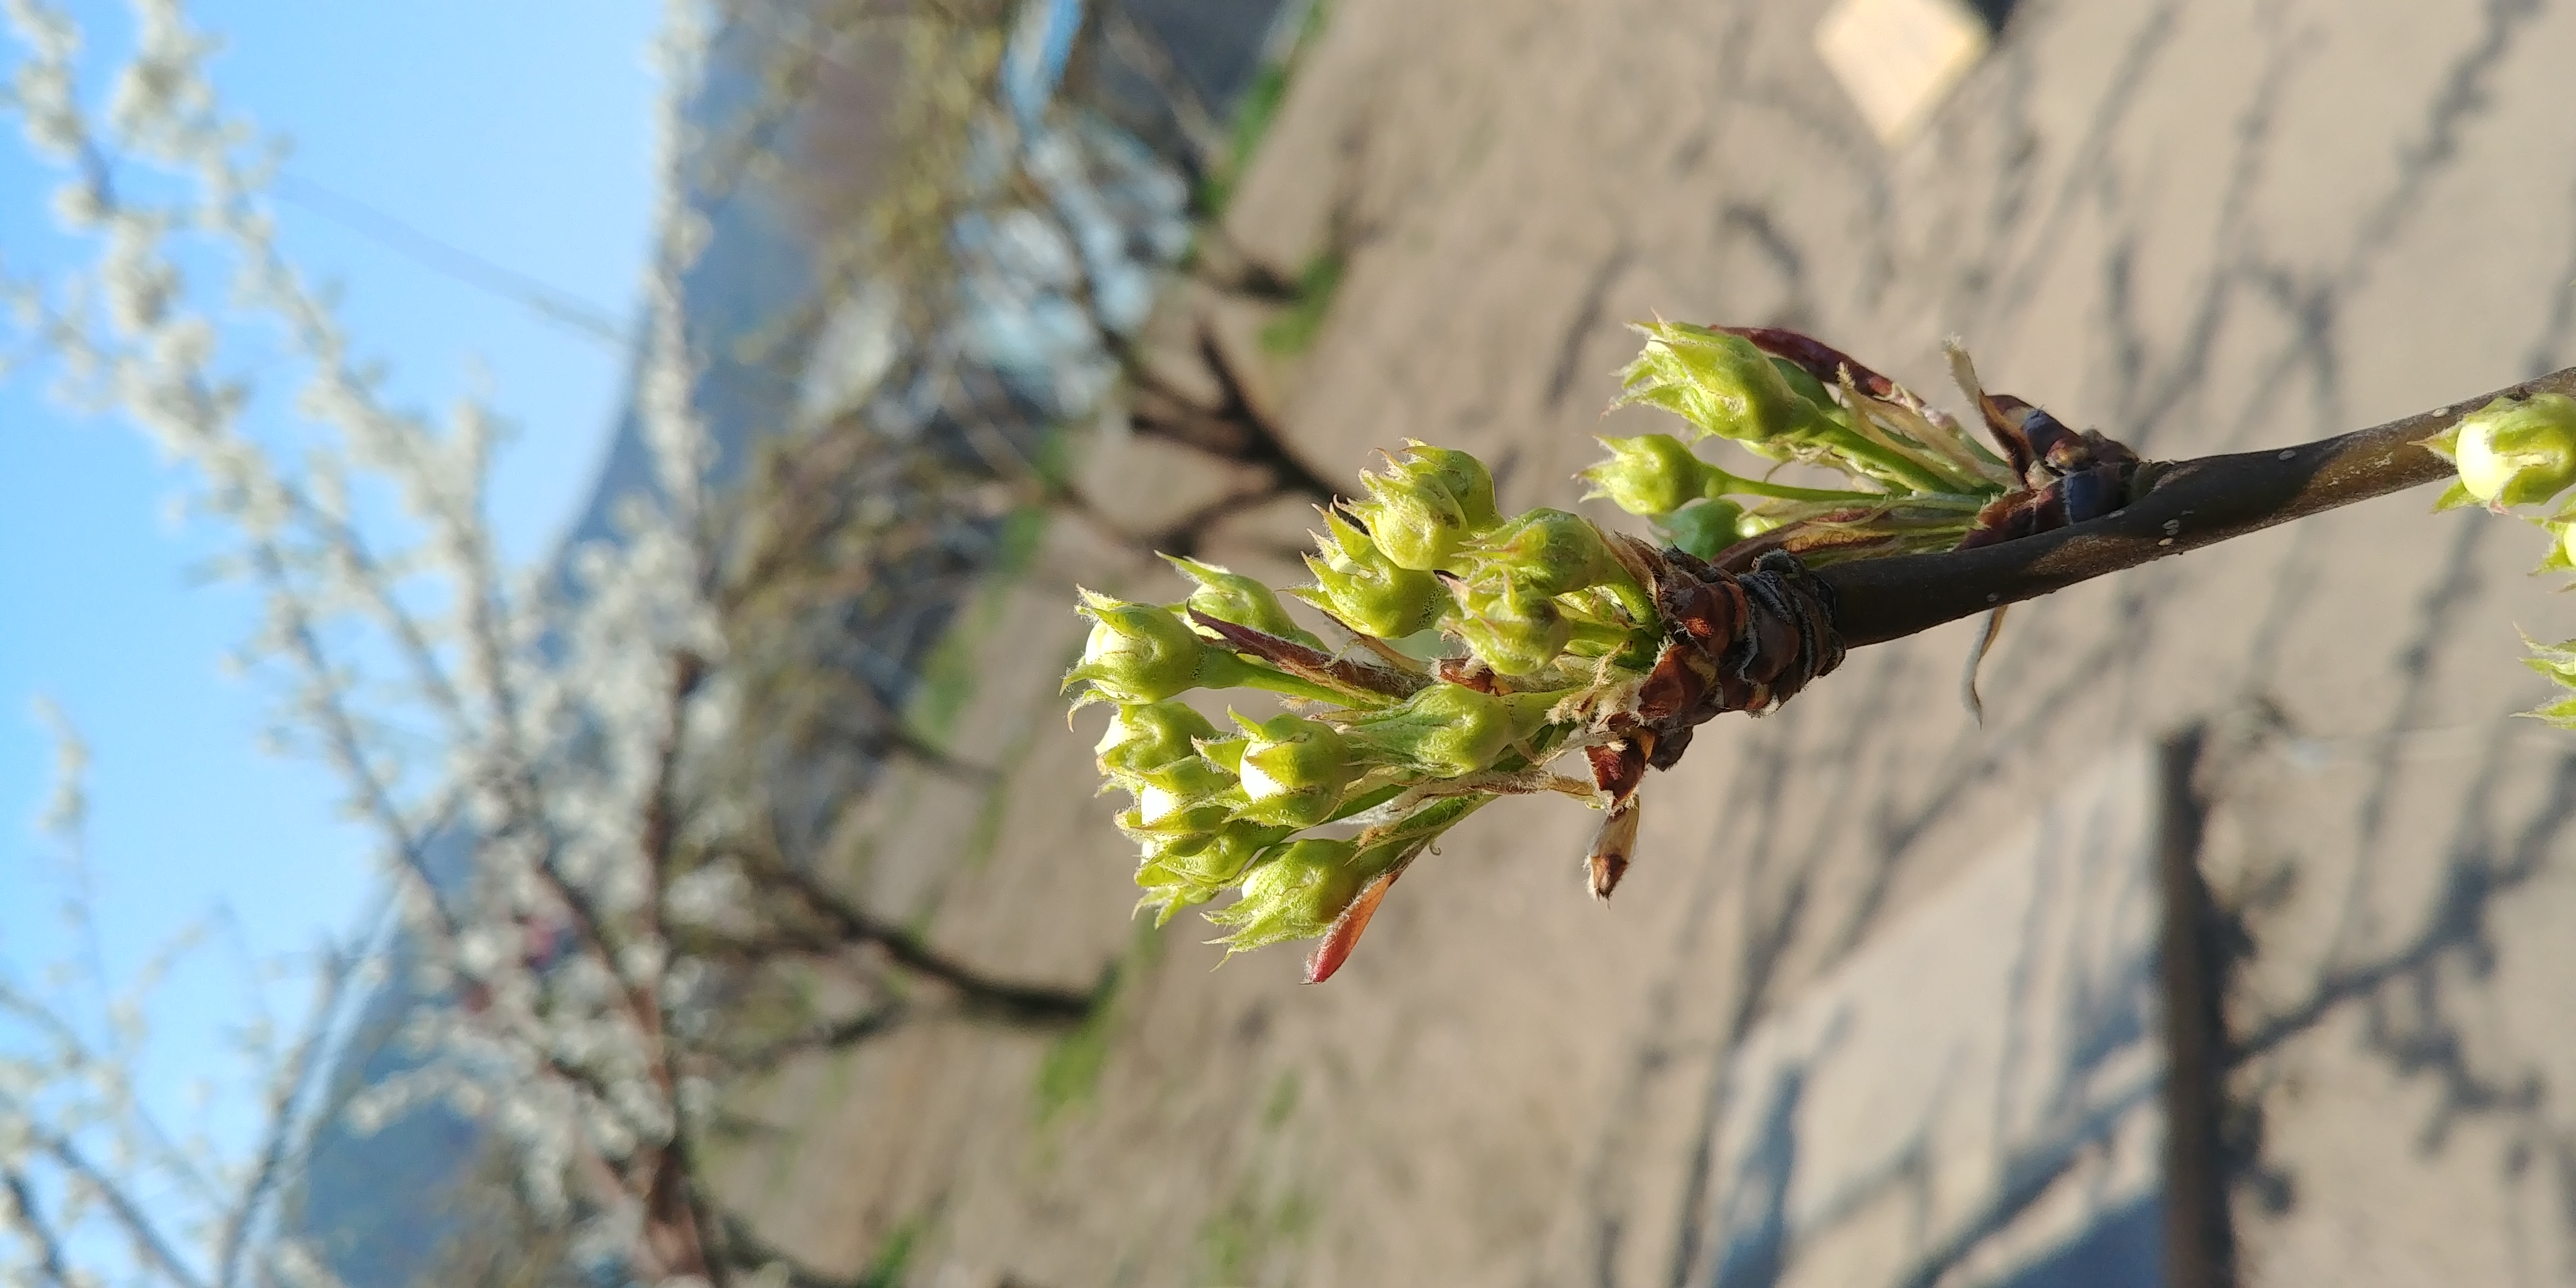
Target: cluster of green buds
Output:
{"points": [[1427, 549], [1452, 653], [1466, 644], [1914, 480], [2518, 456]]}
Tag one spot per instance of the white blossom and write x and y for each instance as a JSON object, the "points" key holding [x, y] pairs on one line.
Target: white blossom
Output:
{"points": [[536, 778]]}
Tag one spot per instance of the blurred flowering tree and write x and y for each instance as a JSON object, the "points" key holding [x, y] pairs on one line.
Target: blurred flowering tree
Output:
{"points": [[96, 1183], [584, 865]]}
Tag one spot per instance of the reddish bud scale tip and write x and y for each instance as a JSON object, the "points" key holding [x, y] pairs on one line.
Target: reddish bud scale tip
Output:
{"points": [[1465, 672], [2015, 515], [1680, 680], [1618, 767], [1607, 861], [1817, 358], [1344, 936], [1709, 611], [1310, 663], [2003, 415], [2067, 477]]}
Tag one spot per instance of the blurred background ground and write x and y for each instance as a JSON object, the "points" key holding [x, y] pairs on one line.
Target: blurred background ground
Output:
{"points": [[2201, 225]]}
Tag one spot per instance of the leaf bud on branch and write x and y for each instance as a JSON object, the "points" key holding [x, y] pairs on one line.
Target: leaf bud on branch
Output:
{"points": [[1364, 589], [2511, 453]]}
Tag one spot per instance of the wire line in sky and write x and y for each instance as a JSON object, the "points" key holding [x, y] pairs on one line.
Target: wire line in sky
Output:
{"points": [[555, 305]]}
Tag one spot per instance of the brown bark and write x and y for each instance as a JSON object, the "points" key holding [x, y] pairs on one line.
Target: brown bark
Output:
{"points": [[2195, 503]]}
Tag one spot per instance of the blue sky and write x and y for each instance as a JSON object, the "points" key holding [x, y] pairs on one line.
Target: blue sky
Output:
{"points": [[518, 133]]}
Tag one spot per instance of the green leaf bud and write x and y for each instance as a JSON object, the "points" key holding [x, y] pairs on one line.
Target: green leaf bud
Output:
{"points": [[1137, 653], [1720, 383], [1592, 637], [1296, 894], [1515, 628], [2561, 556], [2514, 453], [1233, 597], [1647, 475], [1465, 477], [1367, 591], [2456, 496], [1179, 872], [1224, 753], [1702, 528], [1294, 770], [1183, 797], [1212, 858], [2561, 713], [1450, 730], [1413, 530], [1753, 525], [1150, 735], [1167, 892], [1547, 552], [1809, 388], [1427, 506], [2558, 662]]}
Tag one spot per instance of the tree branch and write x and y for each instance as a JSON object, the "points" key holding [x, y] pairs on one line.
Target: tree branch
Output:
{"points": [[2194, 504], [291, 1087], [30, 1222], [151, 1245], [767, 1057], [1007, 1000]]}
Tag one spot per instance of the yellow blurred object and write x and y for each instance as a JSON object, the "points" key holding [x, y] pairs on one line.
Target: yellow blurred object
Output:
{"points": [[1899, 58]]}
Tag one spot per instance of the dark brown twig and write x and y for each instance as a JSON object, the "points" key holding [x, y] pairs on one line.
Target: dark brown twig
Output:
{"points": [[2194, 504], [839, 1035], [1006, 1000]]}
